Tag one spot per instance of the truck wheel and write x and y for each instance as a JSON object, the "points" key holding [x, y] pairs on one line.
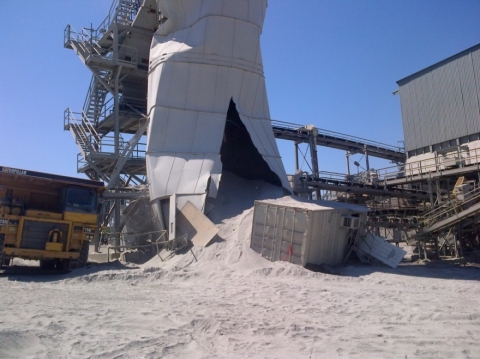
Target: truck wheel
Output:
{"points": [[83, 258], [2, 243], [63, 265], [47, 264]]}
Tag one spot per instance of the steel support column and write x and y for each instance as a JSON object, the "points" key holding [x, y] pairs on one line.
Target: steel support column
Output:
{"points": [[312, 135], [116, 132]]}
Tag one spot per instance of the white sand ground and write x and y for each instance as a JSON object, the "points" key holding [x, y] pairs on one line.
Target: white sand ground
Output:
{"points": [[231, 303]]}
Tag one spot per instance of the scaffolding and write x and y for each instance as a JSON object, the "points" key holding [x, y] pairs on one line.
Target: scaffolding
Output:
{"points": [[109, 130]]}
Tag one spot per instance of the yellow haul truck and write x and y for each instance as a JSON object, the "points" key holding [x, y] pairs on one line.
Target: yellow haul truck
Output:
{"points": [[47, 217]]}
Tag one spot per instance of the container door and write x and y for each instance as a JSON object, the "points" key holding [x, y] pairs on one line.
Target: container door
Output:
{"points": [[264, 227], [293, 236], [278, 233]]}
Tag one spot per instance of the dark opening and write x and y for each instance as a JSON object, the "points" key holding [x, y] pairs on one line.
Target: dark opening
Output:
{"points": [[238, 153]]}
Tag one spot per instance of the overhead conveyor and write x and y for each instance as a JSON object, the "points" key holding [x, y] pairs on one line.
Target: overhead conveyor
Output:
{"points": [[303, 134], [329, 184]]}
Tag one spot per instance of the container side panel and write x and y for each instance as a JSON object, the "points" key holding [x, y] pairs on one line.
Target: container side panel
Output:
{"points": [[328, 240], [259, 213]]}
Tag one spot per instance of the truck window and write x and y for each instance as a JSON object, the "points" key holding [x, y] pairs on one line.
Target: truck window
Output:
{"points": [[81, 199]]}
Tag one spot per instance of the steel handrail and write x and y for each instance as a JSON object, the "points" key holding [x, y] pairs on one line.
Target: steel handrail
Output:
{"points": [[134, 246], [96, 143], [88, 43], [77, 130], [427, 166], [84, 128], [445, 209], [114, 15]]}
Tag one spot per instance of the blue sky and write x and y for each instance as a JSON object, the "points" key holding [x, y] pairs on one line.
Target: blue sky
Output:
{"points": [[330, 63]]}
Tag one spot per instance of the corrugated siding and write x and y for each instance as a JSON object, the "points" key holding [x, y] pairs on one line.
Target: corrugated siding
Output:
{"points": [[442, 103], [327, 240]]}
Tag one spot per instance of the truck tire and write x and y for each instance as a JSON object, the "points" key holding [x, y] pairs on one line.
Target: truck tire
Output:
{"points": [[62, 265], [2, 244], [83, 258], [47, 264]]}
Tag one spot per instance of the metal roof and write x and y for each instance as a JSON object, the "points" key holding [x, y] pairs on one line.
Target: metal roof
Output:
{"points": [[403, 81]]}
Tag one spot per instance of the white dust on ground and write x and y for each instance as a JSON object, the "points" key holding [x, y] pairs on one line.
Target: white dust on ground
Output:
{"points": [[231, 303]]}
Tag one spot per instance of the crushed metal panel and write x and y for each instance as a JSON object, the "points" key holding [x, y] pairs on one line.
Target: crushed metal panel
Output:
{"points": [[181, 173], [200, 229], [206, 54], [382, 250]]}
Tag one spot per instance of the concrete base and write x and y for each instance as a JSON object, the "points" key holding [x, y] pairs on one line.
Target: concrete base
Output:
{"points": [[102, 255]]}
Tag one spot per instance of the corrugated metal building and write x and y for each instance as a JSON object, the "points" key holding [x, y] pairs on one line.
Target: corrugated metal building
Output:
{"points": [[441, 104]]}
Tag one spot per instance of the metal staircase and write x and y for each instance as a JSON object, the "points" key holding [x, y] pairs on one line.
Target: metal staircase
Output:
{"points": [[450, 214], [121, 12], [110, 51], [126, 11], [94, 46], [83, 132], [96, 95], [117, 54], [97, 52]]}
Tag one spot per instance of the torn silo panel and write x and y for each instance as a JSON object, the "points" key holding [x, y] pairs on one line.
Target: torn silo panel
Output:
{"points": [[302, 232], [206, 90]]}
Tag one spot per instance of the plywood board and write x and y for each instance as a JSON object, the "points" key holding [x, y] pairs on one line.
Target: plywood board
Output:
{"points": [[200, 229]]}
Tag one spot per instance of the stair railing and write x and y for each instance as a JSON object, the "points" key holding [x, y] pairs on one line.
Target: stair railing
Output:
{"points": [[449, 208], [95, 139], [83, 131], [92, 104], [89, 96], [122, 12]]}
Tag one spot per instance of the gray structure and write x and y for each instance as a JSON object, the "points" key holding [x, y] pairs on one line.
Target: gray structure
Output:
{"points": [[441, 104]]}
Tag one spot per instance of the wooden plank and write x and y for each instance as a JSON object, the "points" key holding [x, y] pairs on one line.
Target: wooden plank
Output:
{"points": [[200, 229]]}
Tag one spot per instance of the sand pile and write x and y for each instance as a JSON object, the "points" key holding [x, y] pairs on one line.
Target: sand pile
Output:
{"points": [[232, 213]]}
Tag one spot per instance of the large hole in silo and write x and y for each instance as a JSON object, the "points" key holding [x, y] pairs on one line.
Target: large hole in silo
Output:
{"points": [[238, 153]]}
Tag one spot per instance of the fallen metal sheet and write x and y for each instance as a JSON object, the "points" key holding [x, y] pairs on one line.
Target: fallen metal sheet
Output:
{"points": [[382, 250], [192, 221]]}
